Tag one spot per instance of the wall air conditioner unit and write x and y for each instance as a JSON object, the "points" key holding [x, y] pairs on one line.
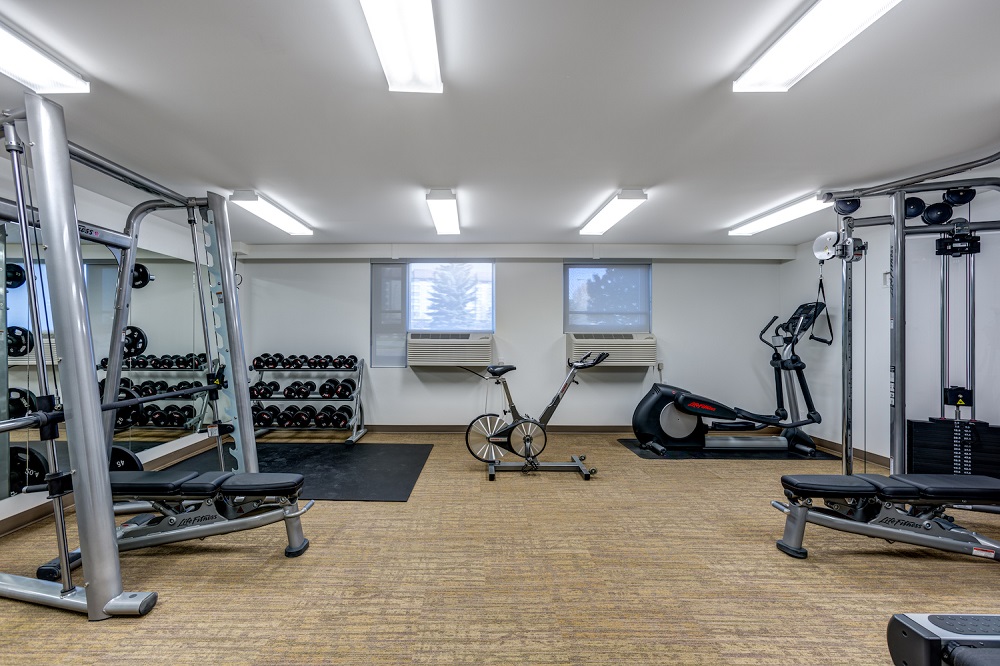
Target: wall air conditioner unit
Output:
{"points": [[449, 349], [624, 349]]}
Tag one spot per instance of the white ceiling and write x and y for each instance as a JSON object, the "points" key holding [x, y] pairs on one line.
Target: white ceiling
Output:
{"points": [[548, 107]]}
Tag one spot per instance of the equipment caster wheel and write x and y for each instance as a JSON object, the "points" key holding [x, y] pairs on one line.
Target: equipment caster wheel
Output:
{"points": [[582, 458], [593, 471]]}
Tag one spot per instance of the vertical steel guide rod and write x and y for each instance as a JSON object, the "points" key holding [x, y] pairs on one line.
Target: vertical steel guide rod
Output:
{"points": [[192, 223], [16, 149], [970, 330], [945, 328], [847, 354]]}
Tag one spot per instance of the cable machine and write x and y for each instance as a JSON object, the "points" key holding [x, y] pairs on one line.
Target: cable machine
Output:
{"points": [[956, 239]]}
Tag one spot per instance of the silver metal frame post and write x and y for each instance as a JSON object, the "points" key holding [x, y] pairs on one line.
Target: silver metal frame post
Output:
{"points": [[85, 432], [16, 150], [897, 337], [847, 356], [237, 355], [123, 301]]}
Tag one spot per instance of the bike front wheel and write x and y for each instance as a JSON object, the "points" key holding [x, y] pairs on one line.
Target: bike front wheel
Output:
{"points": [[478, 435], [528, 438]]}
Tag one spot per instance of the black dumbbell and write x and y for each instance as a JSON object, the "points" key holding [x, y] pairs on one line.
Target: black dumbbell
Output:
{"points": [[306, 389], [303, 417], [157, 416], [345, 389], [328, 389], [147, 388], [324, 419], [141, 361], [202, 358], [182, 385], [162, 387], [292, 390], [258, 363], [265, 391], [350, 362], [338, 362], [284, 419], [188, 411], [342, 416], [272, 361], [166, 361]]}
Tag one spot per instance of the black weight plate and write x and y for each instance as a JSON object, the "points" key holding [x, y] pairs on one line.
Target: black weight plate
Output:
{"points": [[15, 276], [27, 467], [140, 276], [20, 341], [123, 460], [135, 341], [20, 402]]}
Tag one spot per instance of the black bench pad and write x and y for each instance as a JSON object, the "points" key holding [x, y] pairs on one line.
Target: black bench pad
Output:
{"points": [[146, 483], [890, 488], [960, 487], [827, 485], [263, 484], [206, 483]]}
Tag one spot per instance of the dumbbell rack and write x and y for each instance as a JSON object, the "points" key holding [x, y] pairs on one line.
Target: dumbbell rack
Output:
{"points": [[191, 423], [357, 423]]}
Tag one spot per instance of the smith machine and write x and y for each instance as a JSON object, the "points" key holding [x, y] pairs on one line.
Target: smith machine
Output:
{"points": [[233, 499]]}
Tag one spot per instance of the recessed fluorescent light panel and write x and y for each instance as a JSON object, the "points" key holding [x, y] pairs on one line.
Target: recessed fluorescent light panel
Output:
{"points": [[786, 213], [403, 32], [612, 212], [444, 211], [270, 212], [821, 32], [31, 67]]}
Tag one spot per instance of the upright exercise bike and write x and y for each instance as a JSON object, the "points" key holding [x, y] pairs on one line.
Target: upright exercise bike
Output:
{"points": [[490, 436], [669, 417]]}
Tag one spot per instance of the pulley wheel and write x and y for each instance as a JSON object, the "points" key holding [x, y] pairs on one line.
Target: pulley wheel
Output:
{"points": [[825, 247], [20, 341], [135, 341], [675, 423]]}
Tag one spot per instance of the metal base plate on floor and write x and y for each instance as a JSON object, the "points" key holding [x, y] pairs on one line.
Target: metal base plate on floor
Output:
{"points": [[530, 465]]}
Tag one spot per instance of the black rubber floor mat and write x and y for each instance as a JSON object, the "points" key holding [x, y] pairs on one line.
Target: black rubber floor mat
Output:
{"points": [[359, 472], [720, 454]]}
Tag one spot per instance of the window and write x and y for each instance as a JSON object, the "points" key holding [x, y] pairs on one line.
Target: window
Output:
{"points": [[454, 297], [606, 298]]}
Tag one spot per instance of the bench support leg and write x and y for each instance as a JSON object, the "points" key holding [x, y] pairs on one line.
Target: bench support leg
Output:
{"points": [[297, 541], [795, 529]]}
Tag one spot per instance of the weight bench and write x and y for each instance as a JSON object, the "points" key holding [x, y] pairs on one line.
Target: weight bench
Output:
{"points": [[903, 507], [195, 506]]}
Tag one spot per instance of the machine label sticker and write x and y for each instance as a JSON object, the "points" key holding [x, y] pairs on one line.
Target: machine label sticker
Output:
{"points": [[196, 520], [699, 405], [498, 440], [984, 552], [899, 522]]}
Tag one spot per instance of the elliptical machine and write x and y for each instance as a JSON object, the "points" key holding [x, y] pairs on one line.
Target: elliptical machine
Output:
{"points": [[669, 417]]}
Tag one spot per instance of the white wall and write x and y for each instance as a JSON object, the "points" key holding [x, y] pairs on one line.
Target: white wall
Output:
{"points": [[704, 313]]}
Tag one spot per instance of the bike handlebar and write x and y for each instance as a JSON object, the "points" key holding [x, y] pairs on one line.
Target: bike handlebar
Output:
{"points": [[583, 363]]}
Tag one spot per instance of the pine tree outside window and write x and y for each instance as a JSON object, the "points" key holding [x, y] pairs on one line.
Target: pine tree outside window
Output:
{"points": [[606, 298]]}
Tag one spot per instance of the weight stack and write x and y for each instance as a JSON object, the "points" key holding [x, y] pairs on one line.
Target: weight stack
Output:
{"points": [[947, 446]]}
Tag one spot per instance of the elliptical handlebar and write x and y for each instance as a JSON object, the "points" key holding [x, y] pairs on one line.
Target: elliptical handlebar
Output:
{"points": [[765, 330], [583, 363]]}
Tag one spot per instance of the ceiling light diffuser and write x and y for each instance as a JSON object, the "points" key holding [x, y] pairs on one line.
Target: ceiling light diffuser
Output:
{"points": [[403, 32], [270, 212], [613, 211], [444, 211], [821, 32], [31, 67], [792, 210]]}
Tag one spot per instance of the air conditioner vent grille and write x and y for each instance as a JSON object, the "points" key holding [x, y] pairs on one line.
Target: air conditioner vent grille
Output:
{"points": [[449, 349], [624, 349]]}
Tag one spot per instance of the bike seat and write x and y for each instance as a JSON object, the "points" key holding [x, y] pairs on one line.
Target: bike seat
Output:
{"points": [[498, 370]]}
